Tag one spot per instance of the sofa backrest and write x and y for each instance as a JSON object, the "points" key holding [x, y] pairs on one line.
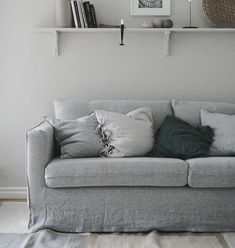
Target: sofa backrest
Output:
{"points": [[190, 111], [69, 109]]}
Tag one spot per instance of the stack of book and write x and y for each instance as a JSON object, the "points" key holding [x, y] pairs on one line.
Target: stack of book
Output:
{"points": [[83, 14]]}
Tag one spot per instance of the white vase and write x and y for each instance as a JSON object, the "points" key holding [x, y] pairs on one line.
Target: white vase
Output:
{"points": [[63, 14]]}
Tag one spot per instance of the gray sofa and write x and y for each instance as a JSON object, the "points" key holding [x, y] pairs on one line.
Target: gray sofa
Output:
{"points": [[128, 194]]}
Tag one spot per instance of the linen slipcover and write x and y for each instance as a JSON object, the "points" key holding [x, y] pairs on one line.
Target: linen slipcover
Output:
{"points": [[212, 172], [190, 111], [120, 208], [98, 172], [71, 109]]}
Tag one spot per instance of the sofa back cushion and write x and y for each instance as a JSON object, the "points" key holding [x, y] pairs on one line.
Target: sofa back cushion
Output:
{"points": [[191, 111], [70, 109]]}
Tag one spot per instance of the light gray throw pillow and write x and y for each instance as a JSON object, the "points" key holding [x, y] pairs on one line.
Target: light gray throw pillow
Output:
{"points": [[77, 138], [130, 135], [224, 129]]}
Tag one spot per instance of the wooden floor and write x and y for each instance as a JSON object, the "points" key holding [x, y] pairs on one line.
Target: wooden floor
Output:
{"points": [[14, 219]]}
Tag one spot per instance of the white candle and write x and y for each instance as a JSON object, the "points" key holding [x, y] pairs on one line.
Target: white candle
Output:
{"points": [[122, 22]]}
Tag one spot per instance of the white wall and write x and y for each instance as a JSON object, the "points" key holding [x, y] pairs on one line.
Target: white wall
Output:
{"points": [[93, 66]]}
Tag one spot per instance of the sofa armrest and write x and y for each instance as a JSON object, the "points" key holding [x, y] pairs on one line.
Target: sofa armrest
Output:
{"points": [[40, 151]]}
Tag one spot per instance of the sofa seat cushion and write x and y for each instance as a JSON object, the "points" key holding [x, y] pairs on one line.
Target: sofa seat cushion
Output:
{"points": [[98, 172], [212, 172]]}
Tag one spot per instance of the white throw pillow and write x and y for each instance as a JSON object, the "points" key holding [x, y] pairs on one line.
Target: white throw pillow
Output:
{"points": [[130, 135], [224, 130]]}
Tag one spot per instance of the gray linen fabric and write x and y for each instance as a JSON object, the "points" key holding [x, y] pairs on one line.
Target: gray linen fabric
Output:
{"points": [[130, 135], [136, 209], [40, 151], [160, 109], [120, 209], [89, 172], [191, 111], [77, 138], [224, 130], [213, 172], [69, 109]]}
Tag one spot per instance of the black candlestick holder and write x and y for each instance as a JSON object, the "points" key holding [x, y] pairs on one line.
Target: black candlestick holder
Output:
{"points": [[122, 27], [190, 16]]}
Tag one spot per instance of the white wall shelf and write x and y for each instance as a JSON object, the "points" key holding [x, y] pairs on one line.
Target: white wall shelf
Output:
{"points": [[165, 31]]}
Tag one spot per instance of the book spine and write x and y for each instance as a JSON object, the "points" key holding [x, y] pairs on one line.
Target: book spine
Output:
{"points": [[77, 13], [88, 14], [83, 14], [74, 14], [94, 21], [80, 14], [73, 22]]}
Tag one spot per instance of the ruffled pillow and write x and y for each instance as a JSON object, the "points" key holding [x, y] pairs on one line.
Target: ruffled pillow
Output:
{"points": [[130, 135]]}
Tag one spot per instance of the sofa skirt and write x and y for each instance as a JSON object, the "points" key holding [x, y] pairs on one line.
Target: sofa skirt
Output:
{"points": [[133, 209]]}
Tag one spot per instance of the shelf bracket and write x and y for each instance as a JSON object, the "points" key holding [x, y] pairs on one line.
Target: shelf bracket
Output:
{"points": [[56, 43], [167, 43]]}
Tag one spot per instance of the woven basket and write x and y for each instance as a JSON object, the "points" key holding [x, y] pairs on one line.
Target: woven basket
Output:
{"points": [[220, 13]]}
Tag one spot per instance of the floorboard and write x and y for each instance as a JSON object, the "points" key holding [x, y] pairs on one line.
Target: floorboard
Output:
{"points": [[14, 217]]}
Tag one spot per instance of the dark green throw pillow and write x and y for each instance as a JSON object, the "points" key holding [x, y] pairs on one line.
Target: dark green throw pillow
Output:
{"points": [[178, 139]]}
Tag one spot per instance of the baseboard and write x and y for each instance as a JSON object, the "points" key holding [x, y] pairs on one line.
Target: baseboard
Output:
{"points": [[13, 193]]}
